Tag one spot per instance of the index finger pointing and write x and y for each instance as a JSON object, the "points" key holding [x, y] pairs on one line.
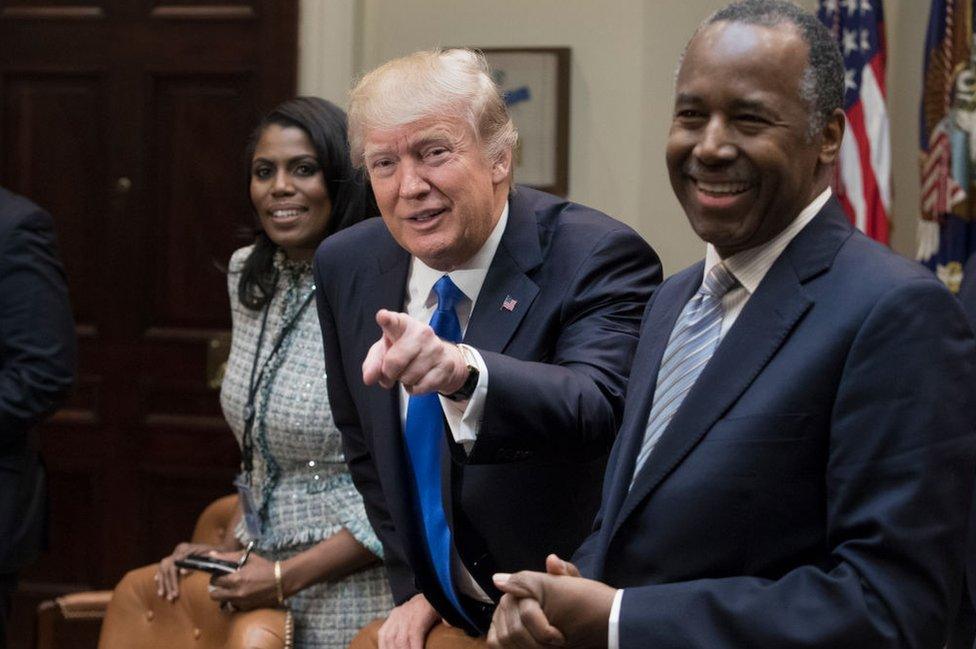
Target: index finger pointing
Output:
{"points": [[392, 323]]}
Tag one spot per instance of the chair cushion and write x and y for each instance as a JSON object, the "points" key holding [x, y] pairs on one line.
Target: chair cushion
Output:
{"points": [[137, 618]]}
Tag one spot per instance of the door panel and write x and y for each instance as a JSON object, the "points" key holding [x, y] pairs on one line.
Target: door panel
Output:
{"points": [[199, 201], [52, 10], [53, 134], [127, 120]]}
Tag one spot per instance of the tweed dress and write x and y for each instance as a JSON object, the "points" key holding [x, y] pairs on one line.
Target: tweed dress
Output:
{"points": [[300, 482]]}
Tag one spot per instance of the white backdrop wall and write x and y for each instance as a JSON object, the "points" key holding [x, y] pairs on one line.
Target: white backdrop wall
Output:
{"points": [[623, 58]]}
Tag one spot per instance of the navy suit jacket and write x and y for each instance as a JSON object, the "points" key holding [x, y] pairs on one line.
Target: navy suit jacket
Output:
{"points": [[964, 629], [557, 366], [967, 290], [812, 489], [37, 356]]}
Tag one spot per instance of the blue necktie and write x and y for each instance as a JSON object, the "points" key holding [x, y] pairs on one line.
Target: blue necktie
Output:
{"points": [[693, 341], [424, 432]]}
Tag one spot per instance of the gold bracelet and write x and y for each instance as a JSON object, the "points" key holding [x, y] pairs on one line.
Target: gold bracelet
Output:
{"points": [[278, 588]]}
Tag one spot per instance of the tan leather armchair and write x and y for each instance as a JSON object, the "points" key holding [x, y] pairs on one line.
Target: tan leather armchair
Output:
{"points": [[135, 617]]}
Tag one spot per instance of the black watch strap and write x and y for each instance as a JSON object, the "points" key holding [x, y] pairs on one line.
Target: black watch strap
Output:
{"points": [[467, 389]]}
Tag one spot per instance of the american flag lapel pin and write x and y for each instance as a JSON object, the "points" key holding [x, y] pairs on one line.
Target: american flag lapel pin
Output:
{"points": [[509, 303]]}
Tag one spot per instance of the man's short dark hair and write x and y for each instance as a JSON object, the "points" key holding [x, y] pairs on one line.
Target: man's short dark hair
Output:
{"points": [[822, 85]]}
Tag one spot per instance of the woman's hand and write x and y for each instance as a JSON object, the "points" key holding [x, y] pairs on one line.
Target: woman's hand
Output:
{"points": [[168, 574], [252, 586]]}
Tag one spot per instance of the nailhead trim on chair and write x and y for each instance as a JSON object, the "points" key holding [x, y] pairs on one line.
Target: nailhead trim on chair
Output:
{"points": [[289, 630], [84, 606]]}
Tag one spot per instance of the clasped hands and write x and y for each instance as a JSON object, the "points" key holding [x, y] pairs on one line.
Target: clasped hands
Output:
{"points": [[251, 586], [556, 608], [409, 352]]}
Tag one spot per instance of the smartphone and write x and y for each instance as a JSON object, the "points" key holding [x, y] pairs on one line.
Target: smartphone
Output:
{"points": [[215, 567]]}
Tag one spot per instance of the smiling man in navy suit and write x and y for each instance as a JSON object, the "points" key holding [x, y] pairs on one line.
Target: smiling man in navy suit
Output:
{"points": [[484, 455], [796, 456]]}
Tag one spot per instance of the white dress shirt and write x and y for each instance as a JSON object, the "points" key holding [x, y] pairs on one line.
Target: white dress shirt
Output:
{"points": [[463, 417], [749, 267]]}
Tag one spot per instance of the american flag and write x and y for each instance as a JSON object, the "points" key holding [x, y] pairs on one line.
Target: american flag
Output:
{"points": [[940, 191], [863, 182], [947, 133], [509, 303]]}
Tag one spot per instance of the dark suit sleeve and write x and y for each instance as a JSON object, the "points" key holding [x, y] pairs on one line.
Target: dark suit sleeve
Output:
{"points": [[570, 403], [37, 338], [967, 290], [899, 476], [357, 452], [583, 555]]}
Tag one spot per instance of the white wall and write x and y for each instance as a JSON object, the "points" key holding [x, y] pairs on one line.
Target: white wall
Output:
{"points": [[623, 58], [906, 24], [607, 119], [327, 37], [668, 25]]}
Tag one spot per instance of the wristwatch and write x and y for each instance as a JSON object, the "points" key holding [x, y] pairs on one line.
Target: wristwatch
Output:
{"points": [[467, 389]]}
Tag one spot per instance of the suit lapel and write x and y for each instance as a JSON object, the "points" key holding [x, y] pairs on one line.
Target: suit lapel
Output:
{"points": [[386, 289], [660, 320], [507, 292], [764, 325]]}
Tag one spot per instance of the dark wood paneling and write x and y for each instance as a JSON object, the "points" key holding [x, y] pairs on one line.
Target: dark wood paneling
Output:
{"points": [[198, 201], [184, 399], [83, 404], [127, 120], [173, 502], [52, 12], [199, 11], [77, 498], [54, 132]]}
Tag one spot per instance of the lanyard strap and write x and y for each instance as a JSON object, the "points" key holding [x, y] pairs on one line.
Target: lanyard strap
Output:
{"points": [[247, 445]]}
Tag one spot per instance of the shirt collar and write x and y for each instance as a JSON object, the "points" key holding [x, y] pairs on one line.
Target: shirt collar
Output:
{"points": [[750, 266], [469, 276]]}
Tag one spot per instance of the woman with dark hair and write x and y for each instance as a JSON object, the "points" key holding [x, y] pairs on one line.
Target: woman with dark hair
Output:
{"points": [[313, 548]]}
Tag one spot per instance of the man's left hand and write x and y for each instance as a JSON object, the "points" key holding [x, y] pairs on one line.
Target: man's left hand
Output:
{"points": [[251, 586], [409, 352], [558, 609]]}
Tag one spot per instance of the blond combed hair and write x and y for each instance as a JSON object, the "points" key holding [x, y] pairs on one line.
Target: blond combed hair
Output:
{"points": [[432, 83]]}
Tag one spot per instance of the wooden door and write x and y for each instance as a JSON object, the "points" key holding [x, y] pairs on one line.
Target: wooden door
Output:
{"points": [[127, 120]]}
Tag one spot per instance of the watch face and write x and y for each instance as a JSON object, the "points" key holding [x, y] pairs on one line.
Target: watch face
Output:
{"points": [[469, 358], [465, 391]]}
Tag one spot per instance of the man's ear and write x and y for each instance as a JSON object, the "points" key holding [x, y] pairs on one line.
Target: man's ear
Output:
{"points": [[501, 168], [831, 137]]}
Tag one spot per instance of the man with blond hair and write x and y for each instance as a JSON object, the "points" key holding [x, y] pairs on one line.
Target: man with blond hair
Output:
{"points": [[478, 341]]}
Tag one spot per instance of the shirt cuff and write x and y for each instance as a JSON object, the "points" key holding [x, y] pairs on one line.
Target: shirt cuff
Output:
{"points": [[464, 417], [613, 629]]}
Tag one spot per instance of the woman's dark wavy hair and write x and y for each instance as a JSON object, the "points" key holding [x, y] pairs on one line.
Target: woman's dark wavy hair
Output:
{"points": [[325, 125]]}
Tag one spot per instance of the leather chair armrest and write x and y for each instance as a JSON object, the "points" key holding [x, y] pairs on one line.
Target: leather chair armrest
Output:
{"points": [[213, 521], [137, 618], [70, 615], [86, 605]]}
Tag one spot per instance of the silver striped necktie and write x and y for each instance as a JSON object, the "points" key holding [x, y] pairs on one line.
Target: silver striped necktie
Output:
{"points": [[693, 341]]}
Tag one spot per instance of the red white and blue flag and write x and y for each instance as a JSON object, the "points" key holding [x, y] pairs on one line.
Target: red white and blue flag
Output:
{"points": [[863, 182], [947, 142]]}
